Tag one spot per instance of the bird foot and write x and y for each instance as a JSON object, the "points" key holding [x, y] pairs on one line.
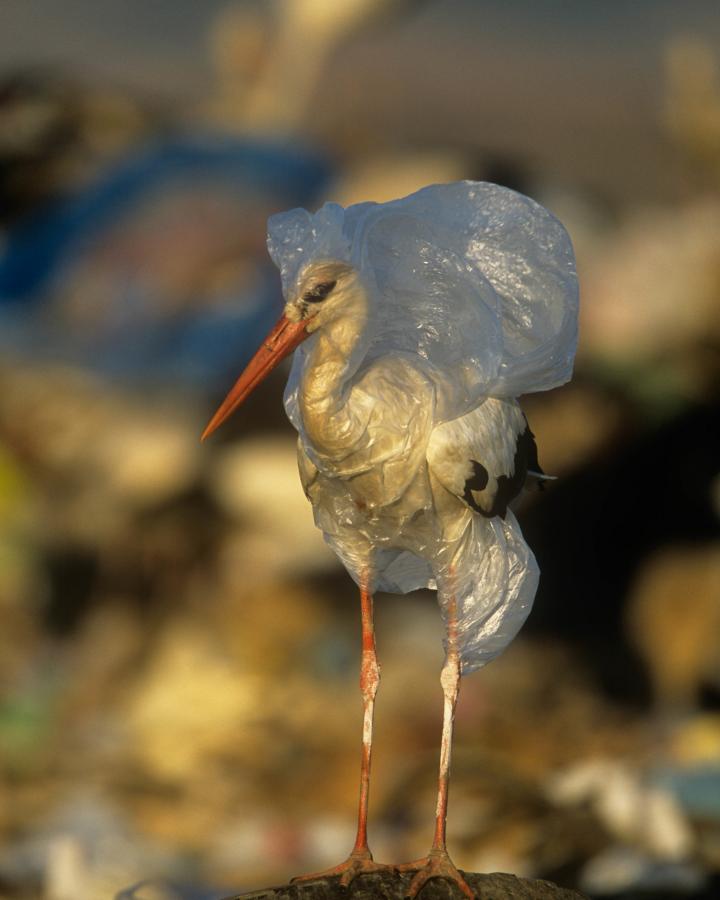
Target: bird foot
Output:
{"points": [[360, 862], [437, 864]]}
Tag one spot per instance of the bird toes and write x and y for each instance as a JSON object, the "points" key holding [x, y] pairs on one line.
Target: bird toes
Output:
{"points": [[358, 863], [437, 865]]}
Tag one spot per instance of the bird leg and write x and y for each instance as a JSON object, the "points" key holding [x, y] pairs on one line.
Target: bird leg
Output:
{"points": [[360, 860], [437, 864]]}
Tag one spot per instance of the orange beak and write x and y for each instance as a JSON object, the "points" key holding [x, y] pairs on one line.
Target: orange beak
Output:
{"points": [[281, 342]]}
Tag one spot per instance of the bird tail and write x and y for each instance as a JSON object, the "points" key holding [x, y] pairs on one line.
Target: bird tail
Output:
{"points": [[538, 479]]}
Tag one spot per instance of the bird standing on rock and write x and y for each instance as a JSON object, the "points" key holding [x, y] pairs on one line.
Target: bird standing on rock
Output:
{"points": [[417, 323]]}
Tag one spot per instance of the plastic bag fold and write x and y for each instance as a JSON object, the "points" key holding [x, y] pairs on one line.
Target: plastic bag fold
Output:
{"points": [[475, 285], [474, 279]]}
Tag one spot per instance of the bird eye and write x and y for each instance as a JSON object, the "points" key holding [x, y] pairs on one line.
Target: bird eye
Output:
{"points": [[319, 292]]}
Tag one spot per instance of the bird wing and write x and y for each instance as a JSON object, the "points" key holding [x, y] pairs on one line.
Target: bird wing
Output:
{"points": [[484, 456]]}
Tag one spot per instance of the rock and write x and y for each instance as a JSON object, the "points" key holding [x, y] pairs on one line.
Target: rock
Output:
{"points": [[392, 886]]}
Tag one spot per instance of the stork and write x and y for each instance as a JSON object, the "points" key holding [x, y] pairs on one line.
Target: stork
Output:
{"points": [[417, 323]]}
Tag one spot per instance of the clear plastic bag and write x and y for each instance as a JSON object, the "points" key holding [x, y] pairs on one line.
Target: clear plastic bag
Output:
{"points": [[475, 279], [471, 294]]}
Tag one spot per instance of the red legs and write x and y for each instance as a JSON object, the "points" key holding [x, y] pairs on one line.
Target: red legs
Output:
{"points": [[360, 859], [369, 681], [437, 864]]}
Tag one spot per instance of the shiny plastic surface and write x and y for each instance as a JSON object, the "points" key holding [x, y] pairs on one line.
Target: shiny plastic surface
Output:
{"points": [[449, 303]]}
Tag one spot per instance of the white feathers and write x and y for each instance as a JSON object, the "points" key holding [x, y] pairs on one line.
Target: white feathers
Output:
{"points": [[487, 434], [465, 297]]}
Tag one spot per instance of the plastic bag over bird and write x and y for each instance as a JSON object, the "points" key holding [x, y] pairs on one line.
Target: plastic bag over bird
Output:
{"points": [[476, 280]]}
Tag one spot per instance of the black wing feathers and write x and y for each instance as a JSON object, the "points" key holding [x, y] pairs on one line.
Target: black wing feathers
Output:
{"points": [[508, 486], [478, 481]]}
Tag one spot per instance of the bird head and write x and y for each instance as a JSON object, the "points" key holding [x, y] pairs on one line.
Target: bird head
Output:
{"points": [[324, 291]]}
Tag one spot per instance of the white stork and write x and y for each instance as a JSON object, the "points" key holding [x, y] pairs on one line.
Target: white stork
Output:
{"points": [[420, 322]]}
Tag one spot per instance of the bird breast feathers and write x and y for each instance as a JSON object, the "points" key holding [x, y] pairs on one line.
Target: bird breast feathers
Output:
{"points": [[395, 402]]}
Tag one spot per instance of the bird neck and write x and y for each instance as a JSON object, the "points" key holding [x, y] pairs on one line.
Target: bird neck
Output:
{"points": [[334, 359]]}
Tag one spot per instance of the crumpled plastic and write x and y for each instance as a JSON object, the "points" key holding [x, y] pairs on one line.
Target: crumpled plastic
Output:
{"points": [[474, 285]]}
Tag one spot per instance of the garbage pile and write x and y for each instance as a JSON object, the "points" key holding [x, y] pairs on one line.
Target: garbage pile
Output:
{"points": [[179, 650]]}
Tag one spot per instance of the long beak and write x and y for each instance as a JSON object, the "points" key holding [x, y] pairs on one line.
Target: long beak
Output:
{"points": [[281, 342]]}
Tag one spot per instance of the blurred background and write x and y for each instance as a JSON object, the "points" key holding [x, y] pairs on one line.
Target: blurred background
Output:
{"points": [[178, 650]]}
